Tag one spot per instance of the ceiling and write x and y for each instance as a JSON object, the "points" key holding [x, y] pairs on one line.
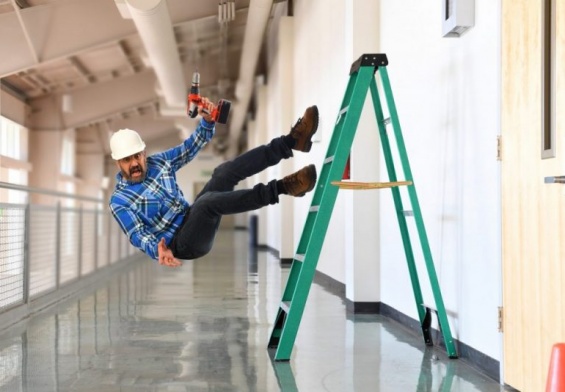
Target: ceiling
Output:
{"points": [[100, 65]]}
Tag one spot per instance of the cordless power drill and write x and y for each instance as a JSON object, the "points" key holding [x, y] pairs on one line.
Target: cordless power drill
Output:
{"points": [[220, 111]]}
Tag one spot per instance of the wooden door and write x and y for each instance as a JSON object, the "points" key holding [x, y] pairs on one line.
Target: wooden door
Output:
{"points": [[533, 213]]}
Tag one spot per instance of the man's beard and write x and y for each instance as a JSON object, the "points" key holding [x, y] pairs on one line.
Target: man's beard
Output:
{"points": [[133, 176]]}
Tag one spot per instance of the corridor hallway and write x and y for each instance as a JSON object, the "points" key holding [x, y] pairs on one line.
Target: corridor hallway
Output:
{"points": [[205, 327]]}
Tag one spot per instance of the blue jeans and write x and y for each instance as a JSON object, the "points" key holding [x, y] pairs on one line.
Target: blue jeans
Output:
{"points": [[196, 235]]}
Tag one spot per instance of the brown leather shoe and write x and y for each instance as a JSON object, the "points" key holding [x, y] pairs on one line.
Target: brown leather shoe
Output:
{"points": [[304, 180], [304, 129]]}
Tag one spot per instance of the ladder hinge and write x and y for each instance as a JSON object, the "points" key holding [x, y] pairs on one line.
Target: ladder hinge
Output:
{"points": [[499, 148], [500, 319]]}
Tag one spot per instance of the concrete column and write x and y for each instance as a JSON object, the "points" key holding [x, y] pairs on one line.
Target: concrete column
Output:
{"points": [[252, 141], [286, 62], [45, 149], [261, 137], [362, 272], [90, 169]]}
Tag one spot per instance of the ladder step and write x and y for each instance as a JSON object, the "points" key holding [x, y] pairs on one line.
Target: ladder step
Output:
{"points": [[426, 306], [329, 159], [299, 257], [386, 121], [314, 209], [341, 113], [408, 213], [285, 306], [369, 185]]}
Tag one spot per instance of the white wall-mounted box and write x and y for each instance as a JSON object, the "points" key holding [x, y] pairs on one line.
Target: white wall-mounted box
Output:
{"points": [[458, 16]]}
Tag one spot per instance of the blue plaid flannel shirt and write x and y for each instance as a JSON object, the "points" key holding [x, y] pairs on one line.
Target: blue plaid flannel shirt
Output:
{"points": [[155, 208]]}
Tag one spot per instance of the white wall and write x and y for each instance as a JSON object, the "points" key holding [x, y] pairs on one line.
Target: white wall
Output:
{"points": [[447, 96], [321, 71], [448, 99]]}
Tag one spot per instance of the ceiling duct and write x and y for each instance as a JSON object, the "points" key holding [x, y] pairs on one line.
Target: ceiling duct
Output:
{"points": [[153, 23]]}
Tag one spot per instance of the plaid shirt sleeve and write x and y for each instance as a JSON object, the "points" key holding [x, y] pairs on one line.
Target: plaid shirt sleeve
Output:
{"points": [[182, 154], [135, 229]]}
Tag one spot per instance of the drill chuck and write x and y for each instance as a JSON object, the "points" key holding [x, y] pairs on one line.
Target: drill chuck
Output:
{"points": [[194, 96]]}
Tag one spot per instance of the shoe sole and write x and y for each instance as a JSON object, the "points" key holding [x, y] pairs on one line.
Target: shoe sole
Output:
{"points": [[308, 143], [312, 173]]}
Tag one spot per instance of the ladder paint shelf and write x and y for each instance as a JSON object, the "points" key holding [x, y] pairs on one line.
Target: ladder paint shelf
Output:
{"points": [[362, 78]]}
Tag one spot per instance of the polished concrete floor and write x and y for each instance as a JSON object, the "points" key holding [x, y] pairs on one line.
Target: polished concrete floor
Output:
{"points": [[205, 327]]}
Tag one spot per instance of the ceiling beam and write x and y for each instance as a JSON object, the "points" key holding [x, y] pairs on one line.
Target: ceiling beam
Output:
{"points": [[112, 97], [82, 70], [75, 27]]}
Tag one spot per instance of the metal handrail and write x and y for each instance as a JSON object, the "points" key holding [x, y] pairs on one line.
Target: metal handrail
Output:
{"points": [[35, 245], [24, 188]]}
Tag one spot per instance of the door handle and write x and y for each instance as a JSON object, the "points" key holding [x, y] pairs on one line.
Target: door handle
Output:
{"points": [[555, 180]]}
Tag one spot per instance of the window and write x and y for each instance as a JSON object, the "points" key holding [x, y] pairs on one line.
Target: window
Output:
{"points": [[548, 80], [13, 139], [68, 154], [13, 144]]}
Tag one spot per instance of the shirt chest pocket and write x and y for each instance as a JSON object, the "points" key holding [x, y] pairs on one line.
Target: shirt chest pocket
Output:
{"points": [[150, 209]]}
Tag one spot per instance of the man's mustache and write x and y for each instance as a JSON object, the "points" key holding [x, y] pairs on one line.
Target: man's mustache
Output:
{"points": [[134, 169]]}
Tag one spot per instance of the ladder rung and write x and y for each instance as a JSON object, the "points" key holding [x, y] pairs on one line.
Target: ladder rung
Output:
{"points": [[408, 213], [314, 208], [329, 159], [386, 121], [285, 306], [369, 185], [341, 112], [299, 257], [425, 306]]}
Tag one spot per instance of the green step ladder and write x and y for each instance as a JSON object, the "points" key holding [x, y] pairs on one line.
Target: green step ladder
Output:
{"points": [[362, 79]]}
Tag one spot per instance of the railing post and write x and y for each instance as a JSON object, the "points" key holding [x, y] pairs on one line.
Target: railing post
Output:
{"points": [[79, 247], [109, 242], [58, 245], [119, 251], [96, 239], [26, 267]]}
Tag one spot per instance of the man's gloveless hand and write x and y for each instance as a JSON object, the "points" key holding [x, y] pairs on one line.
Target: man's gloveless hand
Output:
{"points": [[205, 110], [166, 256]]}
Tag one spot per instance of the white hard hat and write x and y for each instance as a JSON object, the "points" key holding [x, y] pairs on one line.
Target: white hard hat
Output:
{"points": [[124, 143]]}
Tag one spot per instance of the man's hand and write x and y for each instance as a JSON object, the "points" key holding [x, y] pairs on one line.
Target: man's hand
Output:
{"points": [[166, 256], [205, 110]]}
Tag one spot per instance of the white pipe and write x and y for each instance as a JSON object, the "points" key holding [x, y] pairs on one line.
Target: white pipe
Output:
{"points": [[257, 18], [153, 23]]}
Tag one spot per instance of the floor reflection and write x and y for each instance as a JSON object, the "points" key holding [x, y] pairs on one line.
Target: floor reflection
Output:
{"points": [[283, 372], [205, 327]]}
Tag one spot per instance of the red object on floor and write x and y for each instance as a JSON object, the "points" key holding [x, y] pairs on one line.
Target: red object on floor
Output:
{"points": [[556, 374]]}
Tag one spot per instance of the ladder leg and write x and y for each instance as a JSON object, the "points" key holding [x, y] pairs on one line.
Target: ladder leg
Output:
{"points": [[398, 201], [314, 232], [442, 316]]}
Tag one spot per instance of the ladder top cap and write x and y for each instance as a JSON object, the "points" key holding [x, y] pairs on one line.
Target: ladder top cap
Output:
{"points": [[375, 60]]}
